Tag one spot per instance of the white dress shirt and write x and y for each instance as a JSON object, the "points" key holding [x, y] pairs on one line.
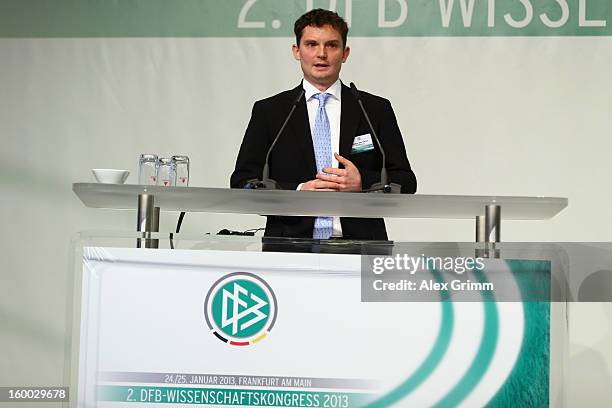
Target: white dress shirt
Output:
{"points": [[333, 108]]}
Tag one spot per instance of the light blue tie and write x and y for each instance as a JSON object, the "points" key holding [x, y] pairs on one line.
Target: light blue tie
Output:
{"points": [[321, 140]]}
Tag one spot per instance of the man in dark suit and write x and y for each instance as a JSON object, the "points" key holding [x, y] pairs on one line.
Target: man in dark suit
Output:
{"points": [[327, 119]]}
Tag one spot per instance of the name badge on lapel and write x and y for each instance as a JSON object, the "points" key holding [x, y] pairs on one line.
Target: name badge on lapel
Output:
{"points": [[362, 144]]}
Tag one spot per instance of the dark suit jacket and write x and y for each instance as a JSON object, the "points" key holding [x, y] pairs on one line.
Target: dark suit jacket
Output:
{"points": [[292, 160]]}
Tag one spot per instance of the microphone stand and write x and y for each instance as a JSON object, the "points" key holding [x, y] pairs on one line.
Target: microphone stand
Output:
{"points": [[266, 183], [383, 186]]}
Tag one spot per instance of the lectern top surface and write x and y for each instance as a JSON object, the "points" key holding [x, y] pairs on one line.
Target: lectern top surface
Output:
{"points": [[309, 203]]}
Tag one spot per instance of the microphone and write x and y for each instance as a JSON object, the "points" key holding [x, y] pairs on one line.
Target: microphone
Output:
{"points": [[266, 182], [383, 186]]}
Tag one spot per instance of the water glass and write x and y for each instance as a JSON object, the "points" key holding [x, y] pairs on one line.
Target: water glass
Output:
{"points": [[165, 172], [180, 165], [147, 169]]}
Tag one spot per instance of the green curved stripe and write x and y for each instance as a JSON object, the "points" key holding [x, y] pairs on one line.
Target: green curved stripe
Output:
{"points": [[529, 382], [484, 356], [432, 360]]}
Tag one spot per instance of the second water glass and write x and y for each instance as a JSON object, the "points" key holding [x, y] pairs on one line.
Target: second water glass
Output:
{"points": [[165, 172]]}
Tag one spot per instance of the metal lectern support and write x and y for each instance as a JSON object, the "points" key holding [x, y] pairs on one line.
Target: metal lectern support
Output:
{"points": [[488, 230], [492, 223], [147, 219], [155, 227]]}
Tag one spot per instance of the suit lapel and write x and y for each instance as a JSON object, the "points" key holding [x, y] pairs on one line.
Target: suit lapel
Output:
{"points": [[301, 128], [349, 120]]}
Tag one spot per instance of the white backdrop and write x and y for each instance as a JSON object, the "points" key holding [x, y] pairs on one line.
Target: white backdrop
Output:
{"points": [[497, 115]]}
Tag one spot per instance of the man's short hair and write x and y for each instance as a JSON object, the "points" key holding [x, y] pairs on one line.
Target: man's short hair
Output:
{"points": [[319, 18]]}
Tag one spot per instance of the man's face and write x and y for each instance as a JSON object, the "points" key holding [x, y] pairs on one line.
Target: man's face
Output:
{"points": [[321, 54]]}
